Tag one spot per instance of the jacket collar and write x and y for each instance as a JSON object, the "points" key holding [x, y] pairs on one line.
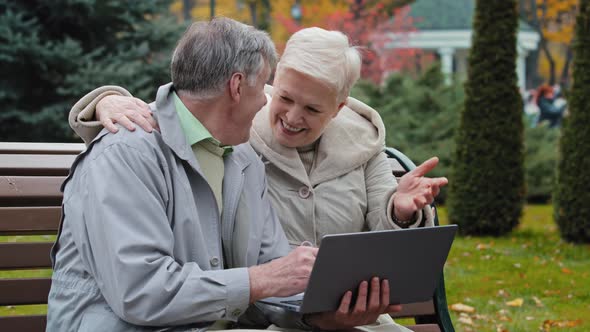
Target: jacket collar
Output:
{"points": [[172, 133]]}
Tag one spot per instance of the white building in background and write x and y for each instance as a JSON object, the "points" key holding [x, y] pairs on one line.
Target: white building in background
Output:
{"points": [[444, 26]]}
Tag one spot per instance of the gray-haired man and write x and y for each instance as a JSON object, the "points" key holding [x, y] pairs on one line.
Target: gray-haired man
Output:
{"points": [[174, 229]]}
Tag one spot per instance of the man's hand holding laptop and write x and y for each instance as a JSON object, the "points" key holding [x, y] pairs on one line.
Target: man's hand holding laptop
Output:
{"points": [[283, 276]]}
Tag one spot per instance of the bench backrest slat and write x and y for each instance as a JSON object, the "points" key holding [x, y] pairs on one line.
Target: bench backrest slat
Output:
{"points": [[35, 164], [397, 168], [23, 323], [31, 187], [24, 291], [30, 220], [27, 255], [425, 328], [415, 309], [41, 148]]}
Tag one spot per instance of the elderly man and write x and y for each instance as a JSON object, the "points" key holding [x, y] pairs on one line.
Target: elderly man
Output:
{"points": [[174, 229]]}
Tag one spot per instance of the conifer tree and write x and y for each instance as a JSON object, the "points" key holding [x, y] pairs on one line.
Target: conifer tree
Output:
{"points": [[487, 188], [52, 52], [572, 197]]}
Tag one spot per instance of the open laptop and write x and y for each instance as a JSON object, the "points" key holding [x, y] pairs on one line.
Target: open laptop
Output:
{"points": [[411, 259]]}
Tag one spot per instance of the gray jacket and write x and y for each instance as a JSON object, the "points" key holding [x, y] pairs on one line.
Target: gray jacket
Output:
{"points": [[141, 244]]}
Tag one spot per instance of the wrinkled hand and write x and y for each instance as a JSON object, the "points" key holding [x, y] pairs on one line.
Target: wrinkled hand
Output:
{"points": [[125, 111], [283, 276], [369, 305], [414, 191]]}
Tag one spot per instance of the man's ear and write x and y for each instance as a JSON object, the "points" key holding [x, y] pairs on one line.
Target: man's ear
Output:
{"points": [[235, 86]]}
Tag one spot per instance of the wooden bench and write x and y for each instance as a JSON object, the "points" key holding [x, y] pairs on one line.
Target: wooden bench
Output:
{"points": [[30, 204]]}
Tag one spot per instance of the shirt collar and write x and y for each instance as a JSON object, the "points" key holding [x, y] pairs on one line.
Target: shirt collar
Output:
{"points": [[193, 129]]}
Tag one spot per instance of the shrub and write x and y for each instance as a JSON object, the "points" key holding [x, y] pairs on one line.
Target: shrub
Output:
{"points": [[572, 197], [487, 187]]}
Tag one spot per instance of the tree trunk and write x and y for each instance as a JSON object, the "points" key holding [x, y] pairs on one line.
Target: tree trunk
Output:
{"points": [[528, 13], [533, 77], [253, 14], [547, 53], [187, 6], [565, 72]]}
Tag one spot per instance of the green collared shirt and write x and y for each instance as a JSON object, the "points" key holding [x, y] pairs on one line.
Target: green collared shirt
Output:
{"points": [[207, 149]]}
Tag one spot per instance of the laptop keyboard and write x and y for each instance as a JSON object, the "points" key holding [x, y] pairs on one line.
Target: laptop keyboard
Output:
{"points": [[293, 302]]}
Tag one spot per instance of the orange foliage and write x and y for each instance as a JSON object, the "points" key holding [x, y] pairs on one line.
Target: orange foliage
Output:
{"points": [[557, 20], [366, 24]]}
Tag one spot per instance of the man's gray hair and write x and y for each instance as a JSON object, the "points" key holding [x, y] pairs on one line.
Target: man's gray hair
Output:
{"points": [[324, 55], [209, 53]]}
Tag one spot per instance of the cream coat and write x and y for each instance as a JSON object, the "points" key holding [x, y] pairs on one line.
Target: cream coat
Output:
{"points": [[350, 187]]}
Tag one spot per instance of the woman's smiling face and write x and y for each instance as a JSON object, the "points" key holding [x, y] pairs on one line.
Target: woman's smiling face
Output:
{"points": [[301, 108]]}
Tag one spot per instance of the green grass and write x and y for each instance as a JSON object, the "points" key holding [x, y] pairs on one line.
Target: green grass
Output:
{"points": [[25, 309], [532, 264]]}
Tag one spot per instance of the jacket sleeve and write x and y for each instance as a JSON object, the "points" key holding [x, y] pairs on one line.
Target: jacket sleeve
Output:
{"points": [[381, 185], [126, 242], [548, 106], [81, 117]]}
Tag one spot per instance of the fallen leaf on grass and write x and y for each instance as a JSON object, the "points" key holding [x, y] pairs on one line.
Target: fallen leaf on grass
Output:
{"points": [[548, 324], [538, 302], [482, 246], [515, 303], [460, 307], [464, 319], [481, 317], [566, 270]]}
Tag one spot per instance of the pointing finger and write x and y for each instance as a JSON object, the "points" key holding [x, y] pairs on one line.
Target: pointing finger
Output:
{"points": [[425, 167]]}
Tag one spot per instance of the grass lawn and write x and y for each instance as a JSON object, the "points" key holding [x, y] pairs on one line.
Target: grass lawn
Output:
{"points": [[493, 275], [528, 281]]}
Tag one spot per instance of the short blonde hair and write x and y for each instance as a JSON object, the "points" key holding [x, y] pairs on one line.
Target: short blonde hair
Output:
{"points": [[324, 55]]}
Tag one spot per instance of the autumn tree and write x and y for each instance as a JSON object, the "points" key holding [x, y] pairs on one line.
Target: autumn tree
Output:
{"points": [[553, 20], [368, 24], [254, 12], [572, 212], [487, 190]]}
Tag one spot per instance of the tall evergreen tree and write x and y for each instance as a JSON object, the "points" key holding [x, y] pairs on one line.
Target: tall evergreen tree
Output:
{"points": [[572, 211], [487, 188], [54, 51]]}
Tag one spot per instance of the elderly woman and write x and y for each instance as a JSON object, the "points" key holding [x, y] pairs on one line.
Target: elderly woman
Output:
{"points": [[326, 168]]}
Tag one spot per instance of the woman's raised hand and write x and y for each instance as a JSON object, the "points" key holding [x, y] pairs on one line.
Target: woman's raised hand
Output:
{"points": [[125, 111], [415, 191]]}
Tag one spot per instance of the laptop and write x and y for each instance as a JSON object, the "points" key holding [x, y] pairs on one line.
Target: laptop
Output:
{"points": [[411, 259]]}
